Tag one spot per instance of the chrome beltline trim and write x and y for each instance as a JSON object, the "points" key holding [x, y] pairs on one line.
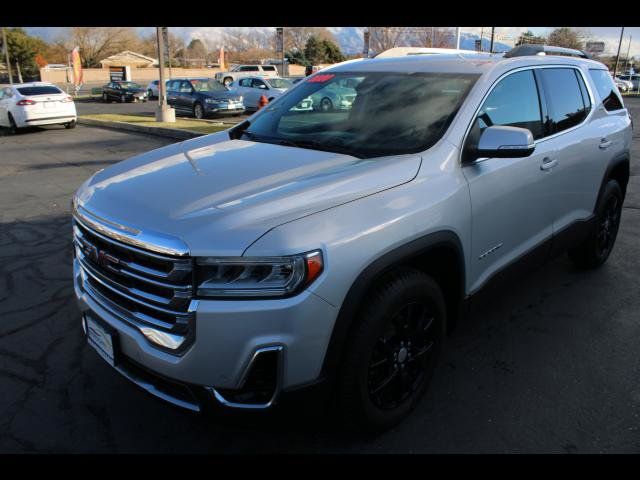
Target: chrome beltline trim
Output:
{"points": [[154, 242]]}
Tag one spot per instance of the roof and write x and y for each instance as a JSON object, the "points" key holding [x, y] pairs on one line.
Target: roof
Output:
{"points": [[456, 63], [128, 57], [402, 51]]}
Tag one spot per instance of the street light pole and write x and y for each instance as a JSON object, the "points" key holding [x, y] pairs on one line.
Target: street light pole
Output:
{"points": [[457, 38], [493, 31], [164, 113], [615, 69], [626, 60], [6, 54]]}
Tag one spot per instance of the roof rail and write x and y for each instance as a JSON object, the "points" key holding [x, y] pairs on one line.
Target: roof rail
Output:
{"points": [[536, 49]]}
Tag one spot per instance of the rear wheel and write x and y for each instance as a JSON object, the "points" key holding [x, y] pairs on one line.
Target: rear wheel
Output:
{"points": [[595, 250], [105, 97], [123, 98], [227, 81], [392, 352], [13, 128], [70, 125], [198, 111]]}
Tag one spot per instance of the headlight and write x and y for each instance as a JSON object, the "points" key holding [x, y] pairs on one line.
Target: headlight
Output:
{"points": [[256, 277]]}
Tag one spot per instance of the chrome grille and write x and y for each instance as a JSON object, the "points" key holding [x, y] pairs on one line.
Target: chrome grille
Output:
{"points": [[141, 287]]}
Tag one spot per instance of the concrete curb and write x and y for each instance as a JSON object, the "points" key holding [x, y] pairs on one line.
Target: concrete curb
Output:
{"points": [[174, 133]]}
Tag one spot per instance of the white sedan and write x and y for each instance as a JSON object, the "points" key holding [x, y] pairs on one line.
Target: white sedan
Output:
{"points": [[36, 103]]}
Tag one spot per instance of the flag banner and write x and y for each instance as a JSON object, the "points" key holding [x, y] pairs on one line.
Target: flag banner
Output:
{"points": [[76, 66]]}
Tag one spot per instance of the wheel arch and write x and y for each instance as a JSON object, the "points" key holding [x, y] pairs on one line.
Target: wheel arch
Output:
{"points": [[618, 170], [438, 254]]}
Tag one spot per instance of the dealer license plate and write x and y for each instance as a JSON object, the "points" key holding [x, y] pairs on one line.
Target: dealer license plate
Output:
{"points": [[101, 340]]}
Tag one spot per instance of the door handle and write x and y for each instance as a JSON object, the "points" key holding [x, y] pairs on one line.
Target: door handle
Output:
{"points": [[548, 163], [604, 143]]}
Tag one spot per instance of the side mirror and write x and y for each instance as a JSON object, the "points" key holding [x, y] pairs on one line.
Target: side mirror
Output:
{"points": [[505, 142]]}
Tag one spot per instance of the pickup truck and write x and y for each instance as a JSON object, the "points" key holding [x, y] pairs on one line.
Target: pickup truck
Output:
{"points": [[241, 71]]}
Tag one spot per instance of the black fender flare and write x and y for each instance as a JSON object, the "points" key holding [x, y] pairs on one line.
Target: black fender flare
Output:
{"points": [[368, 276], [623, 161]]}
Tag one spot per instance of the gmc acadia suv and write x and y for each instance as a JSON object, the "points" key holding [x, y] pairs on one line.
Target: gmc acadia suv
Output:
{"points": [[311, 251]]}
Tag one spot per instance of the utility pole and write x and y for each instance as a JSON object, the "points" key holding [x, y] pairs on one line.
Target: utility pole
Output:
{"points": [[457, 38], [481, 35], [493, 31], [164, 113], [615, 69], [6, 54], [626, 60]]}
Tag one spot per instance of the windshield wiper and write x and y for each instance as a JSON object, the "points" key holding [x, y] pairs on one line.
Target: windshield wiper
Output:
{"points": [[310, 144]]}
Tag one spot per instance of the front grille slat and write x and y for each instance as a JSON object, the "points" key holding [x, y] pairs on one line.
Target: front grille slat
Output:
{"points": [[142, 287]]}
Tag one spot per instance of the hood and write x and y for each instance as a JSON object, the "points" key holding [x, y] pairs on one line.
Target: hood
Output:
{"points": [[219, 198], [222, 94]]}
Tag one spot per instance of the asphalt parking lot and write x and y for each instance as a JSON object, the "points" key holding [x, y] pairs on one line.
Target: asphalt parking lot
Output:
{"points": [[551, 366]]}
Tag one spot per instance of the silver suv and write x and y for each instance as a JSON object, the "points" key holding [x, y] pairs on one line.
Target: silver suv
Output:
{"points": [[328, 253]]}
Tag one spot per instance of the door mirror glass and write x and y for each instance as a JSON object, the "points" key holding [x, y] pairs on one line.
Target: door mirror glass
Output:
{"points": [[505, 142]]}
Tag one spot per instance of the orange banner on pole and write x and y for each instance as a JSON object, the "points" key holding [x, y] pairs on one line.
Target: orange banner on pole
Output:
{"points": [[221, 58], [76, 66]]}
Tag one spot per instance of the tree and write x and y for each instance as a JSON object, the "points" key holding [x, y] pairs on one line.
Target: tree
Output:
{"points": [[528, 37], [97, 43], [23, 49], [332, 53], [566, 37], [295, 38], [296, 57], [384, 38], [314, 50]]}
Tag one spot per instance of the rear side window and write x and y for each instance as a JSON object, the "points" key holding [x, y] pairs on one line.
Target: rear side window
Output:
{"points": [[564, 97], [249, 69], [513, 102], [606, 89], [269, 68], [44, 90]]}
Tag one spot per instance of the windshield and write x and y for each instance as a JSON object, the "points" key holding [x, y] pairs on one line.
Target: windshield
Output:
{"points": [[364, 114], [280, 83], [207, 85], [129, 85]]}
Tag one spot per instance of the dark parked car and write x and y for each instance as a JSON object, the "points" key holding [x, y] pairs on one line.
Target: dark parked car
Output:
{"points": [[124, 92], [203, 96]]}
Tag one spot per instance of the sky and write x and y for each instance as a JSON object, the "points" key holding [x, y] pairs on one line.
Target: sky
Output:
{"points": [[610, 35]]}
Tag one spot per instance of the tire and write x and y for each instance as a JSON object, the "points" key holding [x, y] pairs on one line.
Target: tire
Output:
{"points": [[105, 97], [198, 111], [226, 81], [70, 125], [13, 128], [376, 363], [326, 105], [150, 94], [123, 99], [597, 247]]}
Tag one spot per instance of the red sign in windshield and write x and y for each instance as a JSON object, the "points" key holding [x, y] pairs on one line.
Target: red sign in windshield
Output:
{"points": [[321, 78]]}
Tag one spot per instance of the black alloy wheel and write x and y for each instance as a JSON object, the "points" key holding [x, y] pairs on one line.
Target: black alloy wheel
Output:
{"points": [[402, 356]]}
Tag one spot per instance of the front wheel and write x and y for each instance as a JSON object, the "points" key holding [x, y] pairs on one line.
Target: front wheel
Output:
{"points": [[227, 81], [198, 111], [326, 105], [595, 250], [392, 351]]}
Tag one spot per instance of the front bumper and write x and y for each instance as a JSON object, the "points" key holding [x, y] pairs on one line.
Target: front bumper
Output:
{"points": [[227, 337], [221, 108]]}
